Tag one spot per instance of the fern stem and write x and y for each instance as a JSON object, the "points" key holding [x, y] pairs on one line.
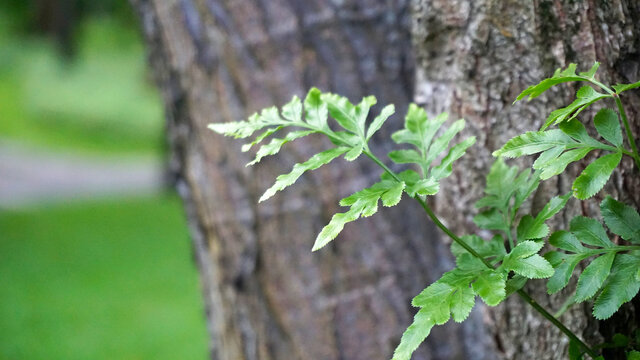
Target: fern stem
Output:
{"points": [[523, 294], [627, 128], [529, 300], [453, 236], [601, 85]]}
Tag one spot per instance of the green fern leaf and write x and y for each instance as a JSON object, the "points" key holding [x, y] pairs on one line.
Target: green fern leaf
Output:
{"points": [[362, 203], [406, 156], [462, 302], [561, 147], [273, 147], [490, 286], [355, 152], [564, 265], [621, 286], [567, 240], [578, 132], [241, 129], [624, 87], [492, 250], [595, 176], [608, 126], [533, 267], [535, 228], [445, 168], [377, 123], [557, 166], [492, 219], [259, 138], [516, 283], [593, 276], [424, 187], [420, 131], [533, 142], [414, 335], [313, 163], [441, 143], [604, 270], [316, 110], [560, 76], [590, 232], [342, 111], [505, 191], [524, 261], [504, 183], [621, 219], [450, 296], [585, 96]]}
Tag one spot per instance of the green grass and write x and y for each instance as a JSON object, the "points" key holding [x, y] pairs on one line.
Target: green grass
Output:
{"points": [[101, 280], [101, 101]]}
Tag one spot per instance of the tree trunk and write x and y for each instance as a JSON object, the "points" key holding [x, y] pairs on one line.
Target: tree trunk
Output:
{"points": [[473, 57], [266, 295]]}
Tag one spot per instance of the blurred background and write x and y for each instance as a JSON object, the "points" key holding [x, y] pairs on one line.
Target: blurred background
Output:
{"points": [[95, 258]]}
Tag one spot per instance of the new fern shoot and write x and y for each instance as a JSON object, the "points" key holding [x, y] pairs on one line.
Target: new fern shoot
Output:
{"points": [[490, 269]]}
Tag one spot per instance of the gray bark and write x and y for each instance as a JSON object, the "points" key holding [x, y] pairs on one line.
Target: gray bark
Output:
{"points": [[266, 295], [472, 59]]}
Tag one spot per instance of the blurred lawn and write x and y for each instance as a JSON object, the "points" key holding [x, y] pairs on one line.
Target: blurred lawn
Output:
{"points": [[101, 280], [97, 279], [100, 101]]}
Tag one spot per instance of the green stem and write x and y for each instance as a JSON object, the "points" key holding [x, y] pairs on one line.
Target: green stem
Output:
{"points": [[529, 300], [601, 85], [617, 248], [627, 128], [508, 230], [429, 212], [468, 248]]}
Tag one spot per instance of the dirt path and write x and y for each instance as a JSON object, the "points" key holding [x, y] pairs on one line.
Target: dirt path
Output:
{"points": [[31, 175]]}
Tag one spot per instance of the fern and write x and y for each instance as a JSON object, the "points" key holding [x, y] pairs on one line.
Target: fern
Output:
{"points": [[613, 273], [561, 147], [559, 77], [362, 203], [490, 269], [351, 141], [420, 132]]}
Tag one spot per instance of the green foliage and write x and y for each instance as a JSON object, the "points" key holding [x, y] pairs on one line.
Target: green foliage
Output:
{"points": [[525, 261], [560, 76], [608, 126], [505, 192], [362, 203], [621, 219], [420, 132], [313, 163], [494, 269], [624, 87], [633, 355], [352, 142], [452, 296], [612, 272], [585, 96], [595, 176], [570, 143], [534, 228]]}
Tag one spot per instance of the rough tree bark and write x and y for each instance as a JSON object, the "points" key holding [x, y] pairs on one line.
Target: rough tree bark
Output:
{"points": [[266, 295], [472, 59]]}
